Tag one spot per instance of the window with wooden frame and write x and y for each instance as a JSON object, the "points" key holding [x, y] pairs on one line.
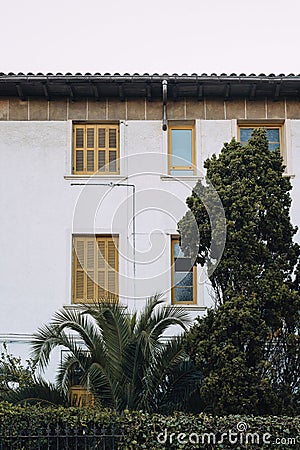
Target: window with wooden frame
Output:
{"points": [[184, 276], [79, 395], [181, 149], [95, 269], [95, 149], [273, 131]]}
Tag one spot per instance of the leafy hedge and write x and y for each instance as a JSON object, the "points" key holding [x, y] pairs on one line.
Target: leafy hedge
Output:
{"points": [[154, 431]]}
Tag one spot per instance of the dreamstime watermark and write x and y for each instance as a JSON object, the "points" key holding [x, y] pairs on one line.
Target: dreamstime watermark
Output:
{"points": [[238, 436], [141, 212]]}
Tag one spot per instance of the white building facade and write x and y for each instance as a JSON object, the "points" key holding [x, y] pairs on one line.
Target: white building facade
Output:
{"points": [[95, 174]]}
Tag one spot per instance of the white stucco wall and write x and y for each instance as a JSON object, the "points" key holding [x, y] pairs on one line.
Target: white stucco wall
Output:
{"points": [[41, 209]]}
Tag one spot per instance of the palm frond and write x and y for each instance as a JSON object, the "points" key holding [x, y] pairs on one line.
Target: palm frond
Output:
{"points": [[46, 339], [114, 326], [77, 322], [143, 320], [178, 387], [167, 359], [123, 359], [41, 392], [96, 379]]}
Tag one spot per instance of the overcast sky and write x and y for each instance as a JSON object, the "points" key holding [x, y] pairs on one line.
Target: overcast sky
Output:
{"points": [[171, 36]]}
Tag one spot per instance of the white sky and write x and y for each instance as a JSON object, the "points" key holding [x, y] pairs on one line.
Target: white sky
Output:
{"points": [[187, 36]]}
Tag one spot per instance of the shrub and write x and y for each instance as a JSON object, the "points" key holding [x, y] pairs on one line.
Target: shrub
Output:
{"points": [[154, 431]]}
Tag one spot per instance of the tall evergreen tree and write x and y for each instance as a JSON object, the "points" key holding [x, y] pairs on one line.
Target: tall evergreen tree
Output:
{"points": [[247, 347]]}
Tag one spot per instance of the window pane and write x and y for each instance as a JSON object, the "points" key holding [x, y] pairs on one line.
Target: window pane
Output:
{"points": [[183, 279], [245, 134], [181, 147], [273, 134], [177, 250], [273, 146], [184, 294], [183, 264]]}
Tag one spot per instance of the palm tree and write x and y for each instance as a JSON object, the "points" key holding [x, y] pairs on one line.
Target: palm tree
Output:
{"points": [[39, 392], [124, 360]]}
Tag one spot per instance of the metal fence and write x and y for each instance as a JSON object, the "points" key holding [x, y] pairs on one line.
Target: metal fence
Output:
{"points": [[59, 438]]}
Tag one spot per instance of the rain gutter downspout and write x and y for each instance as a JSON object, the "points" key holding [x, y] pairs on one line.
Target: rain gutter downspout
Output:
{"points": [[165, 96]]}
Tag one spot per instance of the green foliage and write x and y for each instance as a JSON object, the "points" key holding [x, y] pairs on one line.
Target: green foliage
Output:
{"points": [[248, 348], [142, 430], [123, 358], [13, 372], [39, 392], [256, 200]]}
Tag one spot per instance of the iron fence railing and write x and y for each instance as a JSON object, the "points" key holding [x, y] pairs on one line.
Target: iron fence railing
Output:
{"points": [[61, 438]]}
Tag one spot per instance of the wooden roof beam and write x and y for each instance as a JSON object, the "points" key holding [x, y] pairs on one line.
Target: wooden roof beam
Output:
{"points": [[121, 92], [200, 92], [175, 92], [149, 92], [252, 92], [20, 91], [71, 92], [96, 92], [46, 91], [277, 91], [227, 92]]}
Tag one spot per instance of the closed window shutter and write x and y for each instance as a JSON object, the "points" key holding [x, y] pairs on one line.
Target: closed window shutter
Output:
{"points": [[79, 262], [95, 263], [91, 150], [101, 268], [112, 132], [79, 149], [112, 267], [96, 148], [90, 269]]}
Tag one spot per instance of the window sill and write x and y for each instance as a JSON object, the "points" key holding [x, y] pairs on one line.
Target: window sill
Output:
{"points": [[189, 307], [74, 306], [94, 177], [181, 178]]}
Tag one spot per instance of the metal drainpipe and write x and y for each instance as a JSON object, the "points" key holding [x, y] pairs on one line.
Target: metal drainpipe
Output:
{"points": [[112, 185], [165, 96]]}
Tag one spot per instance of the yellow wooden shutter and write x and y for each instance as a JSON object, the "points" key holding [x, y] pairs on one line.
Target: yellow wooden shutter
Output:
{"points": [[90, 148], [90, 270], [95, 271], [80, 397], [112, 148], [79, 274], [96, 148], [79, 149], [112, 269], [101, 268]]}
